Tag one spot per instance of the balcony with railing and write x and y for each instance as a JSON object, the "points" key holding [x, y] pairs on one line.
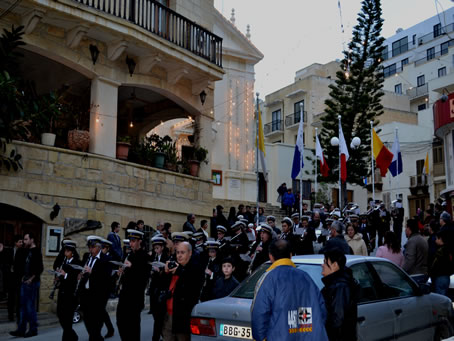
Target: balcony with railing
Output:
{"points": [[294, 119], [419, 183], [418, 91], [273, 127], [166, 23], [435, 34]]}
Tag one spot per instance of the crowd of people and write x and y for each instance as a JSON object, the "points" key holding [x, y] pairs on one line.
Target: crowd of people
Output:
{"points": [[179, 269]]}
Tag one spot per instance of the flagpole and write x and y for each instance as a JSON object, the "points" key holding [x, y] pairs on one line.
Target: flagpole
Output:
{"points": [[302, 162], [372, 159], [340, 165], [315, 194], [397, 165], [257, 157]]}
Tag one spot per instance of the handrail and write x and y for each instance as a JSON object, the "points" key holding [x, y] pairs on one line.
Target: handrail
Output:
{"points": [[166, 23], [295, 118]]}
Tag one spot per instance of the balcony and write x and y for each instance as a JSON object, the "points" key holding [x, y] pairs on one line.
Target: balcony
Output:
{"points": [[419, 184], [166, 23], [390, 71], [439, 169], [418, 92], [432, 35], [294, 119], [273, 127]]}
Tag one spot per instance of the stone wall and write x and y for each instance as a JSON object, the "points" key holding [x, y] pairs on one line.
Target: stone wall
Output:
{"points": [[89, 186]]}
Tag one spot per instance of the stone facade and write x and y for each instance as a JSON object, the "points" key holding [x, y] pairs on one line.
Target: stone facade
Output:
{"points": [[89, 186]]}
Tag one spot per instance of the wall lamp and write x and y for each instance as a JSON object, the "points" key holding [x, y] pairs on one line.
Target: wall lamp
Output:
{"points": [[131, 65], [203, 97], [444, 97], [94, 53]]}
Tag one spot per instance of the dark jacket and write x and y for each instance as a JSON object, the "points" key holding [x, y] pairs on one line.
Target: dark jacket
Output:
{"points": [[209, 282], [442, 263], [98, 278], [341, 303], [116, 244], [68, 284], [189, 227], [261, 256], [186, 296], [338, 242], [415, 253], [224, 287], [33, 264], [288, 199]]}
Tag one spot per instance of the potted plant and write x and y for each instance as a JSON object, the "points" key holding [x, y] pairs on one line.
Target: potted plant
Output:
{"points": [[200, 155], [47, 110], [171, 159], [78, 108], [157, 143], [123, 145]]}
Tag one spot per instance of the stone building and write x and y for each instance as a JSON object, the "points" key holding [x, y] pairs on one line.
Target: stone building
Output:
{"points": [[140, 64]]}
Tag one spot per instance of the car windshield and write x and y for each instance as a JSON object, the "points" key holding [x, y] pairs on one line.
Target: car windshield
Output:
{"points": [[247, 287]]}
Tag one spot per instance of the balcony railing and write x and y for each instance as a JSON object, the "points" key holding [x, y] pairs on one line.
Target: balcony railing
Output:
{"points": [[295, 118], [388, 72], [432, 35], [418, 91], [418, 180], [166, 23], [274, 126]]}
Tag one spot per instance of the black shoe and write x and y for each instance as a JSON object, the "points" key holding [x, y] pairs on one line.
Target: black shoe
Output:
{"points": [[110, 333], [31, 333], [17, 333]]}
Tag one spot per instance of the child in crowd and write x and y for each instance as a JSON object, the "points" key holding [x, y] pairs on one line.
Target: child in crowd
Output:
{"points": [[225, 284]]}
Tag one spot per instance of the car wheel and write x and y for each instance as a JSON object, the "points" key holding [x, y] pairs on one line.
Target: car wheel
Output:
{"points": [[444, 330], [76, 317]]}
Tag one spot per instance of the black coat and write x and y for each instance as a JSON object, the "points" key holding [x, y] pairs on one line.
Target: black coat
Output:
{"points": [[99, 278], [224, 287], [339, 243], [185, 296], [261, 256], [68, 284], [209, 281], [341, 304]]}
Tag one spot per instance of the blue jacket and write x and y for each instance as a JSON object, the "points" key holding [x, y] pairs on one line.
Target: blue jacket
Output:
{"points": [[287, 305], [116, 244], [288, 199]]}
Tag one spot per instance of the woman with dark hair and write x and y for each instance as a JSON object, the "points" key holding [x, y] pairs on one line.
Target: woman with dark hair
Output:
{"points": [[391, 249], [231, 219], [355, 241]]}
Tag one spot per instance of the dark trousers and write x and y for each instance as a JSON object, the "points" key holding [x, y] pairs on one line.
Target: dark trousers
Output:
{"points": [[28, 295], [107, 321], [92, 308], [381, 234], [397, 227], [13, 298], [66, 305], [128, 319]]}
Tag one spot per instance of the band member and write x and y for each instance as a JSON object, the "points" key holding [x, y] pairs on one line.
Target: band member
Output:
{"points": [[134, 277], [287, 234], [106, 247], [239, 246], [307, 236], [261, 252], [158, 258], [67, 300], [224, 243], [94, 281], [212, 270]]}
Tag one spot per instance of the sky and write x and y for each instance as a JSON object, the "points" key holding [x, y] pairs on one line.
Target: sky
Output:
{"points": [[293, 34]]}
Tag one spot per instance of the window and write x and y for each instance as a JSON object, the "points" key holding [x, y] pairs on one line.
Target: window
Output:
{"points": [[367, 285], [442, 71], [420, 81], [306, 193], [389, 70], [394, 282], [404, 62], [400, 46], [422, 107], [444, 47], [437, 30], [431, 53], [296, 108], [414, 39], [419, 166], [384, 54], [276, 120], [398, 88], [438, 154]]}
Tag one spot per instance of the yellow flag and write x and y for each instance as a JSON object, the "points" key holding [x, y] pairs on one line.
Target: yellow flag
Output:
{"points": [[261, 146], [425, 169]]}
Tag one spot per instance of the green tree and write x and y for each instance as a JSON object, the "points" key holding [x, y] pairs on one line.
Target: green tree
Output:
{"points": [[356, 96]]}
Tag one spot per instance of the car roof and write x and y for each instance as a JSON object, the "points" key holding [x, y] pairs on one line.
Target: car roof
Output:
{"points": [[318, 259]]}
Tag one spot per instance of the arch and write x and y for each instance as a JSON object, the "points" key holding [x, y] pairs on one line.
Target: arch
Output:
{"points": [[20, 201]]}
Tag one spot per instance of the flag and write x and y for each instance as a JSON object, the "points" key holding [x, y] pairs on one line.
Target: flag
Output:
{"points": [[324, 169], [383, 157], [344, 155], [396, 164], [298, 162], [261, 146], [425, 169]]}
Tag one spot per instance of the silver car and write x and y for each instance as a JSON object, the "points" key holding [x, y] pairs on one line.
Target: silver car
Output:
{"points": [[392, 306]]}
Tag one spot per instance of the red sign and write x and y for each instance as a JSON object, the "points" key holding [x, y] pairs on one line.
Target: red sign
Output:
{"points": [[443, 112]]}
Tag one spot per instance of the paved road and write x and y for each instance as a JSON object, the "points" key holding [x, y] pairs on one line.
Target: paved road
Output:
{"points": [[55, 333]]}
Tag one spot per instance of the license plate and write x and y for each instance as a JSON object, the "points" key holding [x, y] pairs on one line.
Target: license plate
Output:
{"points": [[235, 331]]}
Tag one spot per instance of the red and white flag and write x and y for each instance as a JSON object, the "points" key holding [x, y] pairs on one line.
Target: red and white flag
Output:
{"points": [[324, 169], [344, 154]]}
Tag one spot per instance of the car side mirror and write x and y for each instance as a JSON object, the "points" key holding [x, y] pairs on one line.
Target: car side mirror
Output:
{"points": [[424, 289]]}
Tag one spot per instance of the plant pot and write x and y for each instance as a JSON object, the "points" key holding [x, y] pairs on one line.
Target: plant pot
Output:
{"points": [[194, 167], [158, 160], [123, 150], [78, 140], [171, 167], [48, 139]]}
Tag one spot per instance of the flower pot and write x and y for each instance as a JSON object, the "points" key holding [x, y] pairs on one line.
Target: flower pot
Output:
{"points": [[78, 140], [48, 139], [171, 167], [158, 160], [194, 167], [123, 150]]}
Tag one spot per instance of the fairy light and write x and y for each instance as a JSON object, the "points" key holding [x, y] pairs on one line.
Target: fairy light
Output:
{"points": [[131, 125], [97, 119]]}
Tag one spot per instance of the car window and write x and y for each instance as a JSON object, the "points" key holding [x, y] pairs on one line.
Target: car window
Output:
{"points": [[315, 271], [395, 283], [246, 288], [367, 291]]}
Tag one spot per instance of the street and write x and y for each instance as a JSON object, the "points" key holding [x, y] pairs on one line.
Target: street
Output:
{"points": [[55, 333]]}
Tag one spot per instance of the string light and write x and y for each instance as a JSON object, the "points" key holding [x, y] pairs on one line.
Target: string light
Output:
{"points": [[131, 124], [97, 119]]}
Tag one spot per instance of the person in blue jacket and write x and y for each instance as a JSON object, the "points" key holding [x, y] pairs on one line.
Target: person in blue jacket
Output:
{"points": [[287, 303]]}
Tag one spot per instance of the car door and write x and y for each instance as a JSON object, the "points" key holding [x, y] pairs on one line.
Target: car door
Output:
{"points": [[412, 312], [375, 318]]}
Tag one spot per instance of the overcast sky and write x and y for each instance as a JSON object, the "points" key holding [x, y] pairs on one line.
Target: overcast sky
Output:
{"points": [[293, 34]]}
